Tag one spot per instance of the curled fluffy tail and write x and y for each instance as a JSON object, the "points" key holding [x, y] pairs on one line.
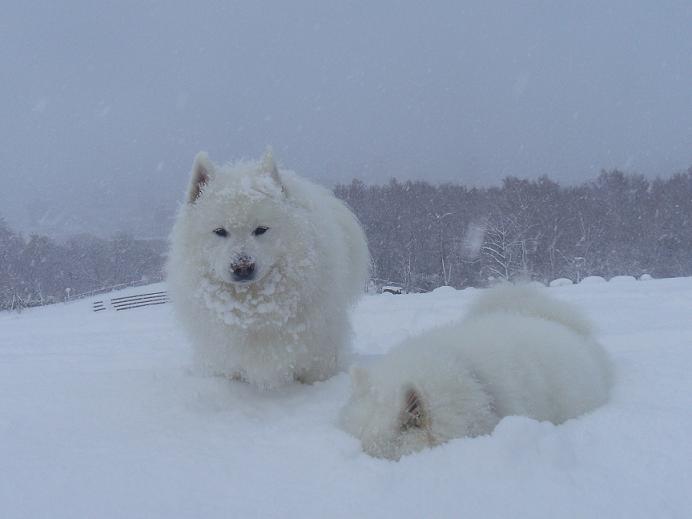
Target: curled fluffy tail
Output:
{"points": [[533, 302]]}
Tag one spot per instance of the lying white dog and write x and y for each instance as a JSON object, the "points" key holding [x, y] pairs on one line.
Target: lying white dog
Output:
{"points": [[263, 268], [518, 352]]}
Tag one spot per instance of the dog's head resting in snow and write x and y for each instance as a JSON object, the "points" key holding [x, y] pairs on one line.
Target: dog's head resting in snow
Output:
{"points": [[391, 420], [413, 398]]}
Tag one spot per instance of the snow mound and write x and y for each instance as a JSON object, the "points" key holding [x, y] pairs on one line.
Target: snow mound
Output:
{"points": [[561, 282], [622, 279], [445, 290], [592, 280]]}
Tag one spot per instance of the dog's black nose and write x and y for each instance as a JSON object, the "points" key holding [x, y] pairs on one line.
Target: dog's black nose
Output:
{"points": [[243, 269]]}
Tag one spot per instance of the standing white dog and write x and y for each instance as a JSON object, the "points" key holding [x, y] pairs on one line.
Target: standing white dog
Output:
{"points": [[262, 271], [518, 352]]}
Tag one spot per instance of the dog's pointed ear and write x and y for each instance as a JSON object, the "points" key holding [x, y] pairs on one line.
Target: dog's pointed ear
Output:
{"points": [[268, 167], [202, 172], [360, 379], [414, 413]]}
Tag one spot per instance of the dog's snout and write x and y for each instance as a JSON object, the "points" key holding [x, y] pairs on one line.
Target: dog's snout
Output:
{"points": [[243, 268]]}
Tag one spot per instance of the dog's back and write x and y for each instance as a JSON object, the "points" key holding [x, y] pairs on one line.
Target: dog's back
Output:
{"points": [[517, 352], [534, 367], [531, 302]]}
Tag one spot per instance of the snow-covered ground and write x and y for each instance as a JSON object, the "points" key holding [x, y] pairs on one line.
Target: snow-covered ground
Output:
{"points": [[100, 417]]}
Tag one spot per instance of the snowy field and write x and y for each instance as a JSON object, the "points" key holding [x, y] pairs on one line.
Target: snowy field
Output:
{"points": [[100, 417]]}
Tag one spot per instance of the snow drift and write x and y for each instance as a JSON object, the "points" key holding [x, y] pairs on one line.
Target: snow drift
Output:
{"points": [[100, 417]]}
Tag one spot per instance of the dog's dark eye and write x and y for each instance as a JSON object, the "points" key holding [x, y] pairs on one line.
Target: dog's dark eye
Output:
{"points": [[220, 231], [260, 230]]}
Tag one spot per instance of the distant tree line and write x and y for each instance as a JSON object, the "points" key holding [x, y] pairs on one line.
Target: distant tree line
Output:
{"points": [[422, 236], [37, 270]]}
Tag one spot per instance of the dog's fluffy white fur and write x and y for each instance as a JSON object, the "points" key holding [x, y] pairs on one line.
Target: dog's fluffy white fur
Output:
{"points": [[517, 352], [300, 260]]}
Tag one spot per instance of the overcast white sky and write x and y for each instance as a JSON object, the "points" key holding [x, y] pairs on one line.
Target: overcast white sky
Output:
{"points": [[109, 101]]}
